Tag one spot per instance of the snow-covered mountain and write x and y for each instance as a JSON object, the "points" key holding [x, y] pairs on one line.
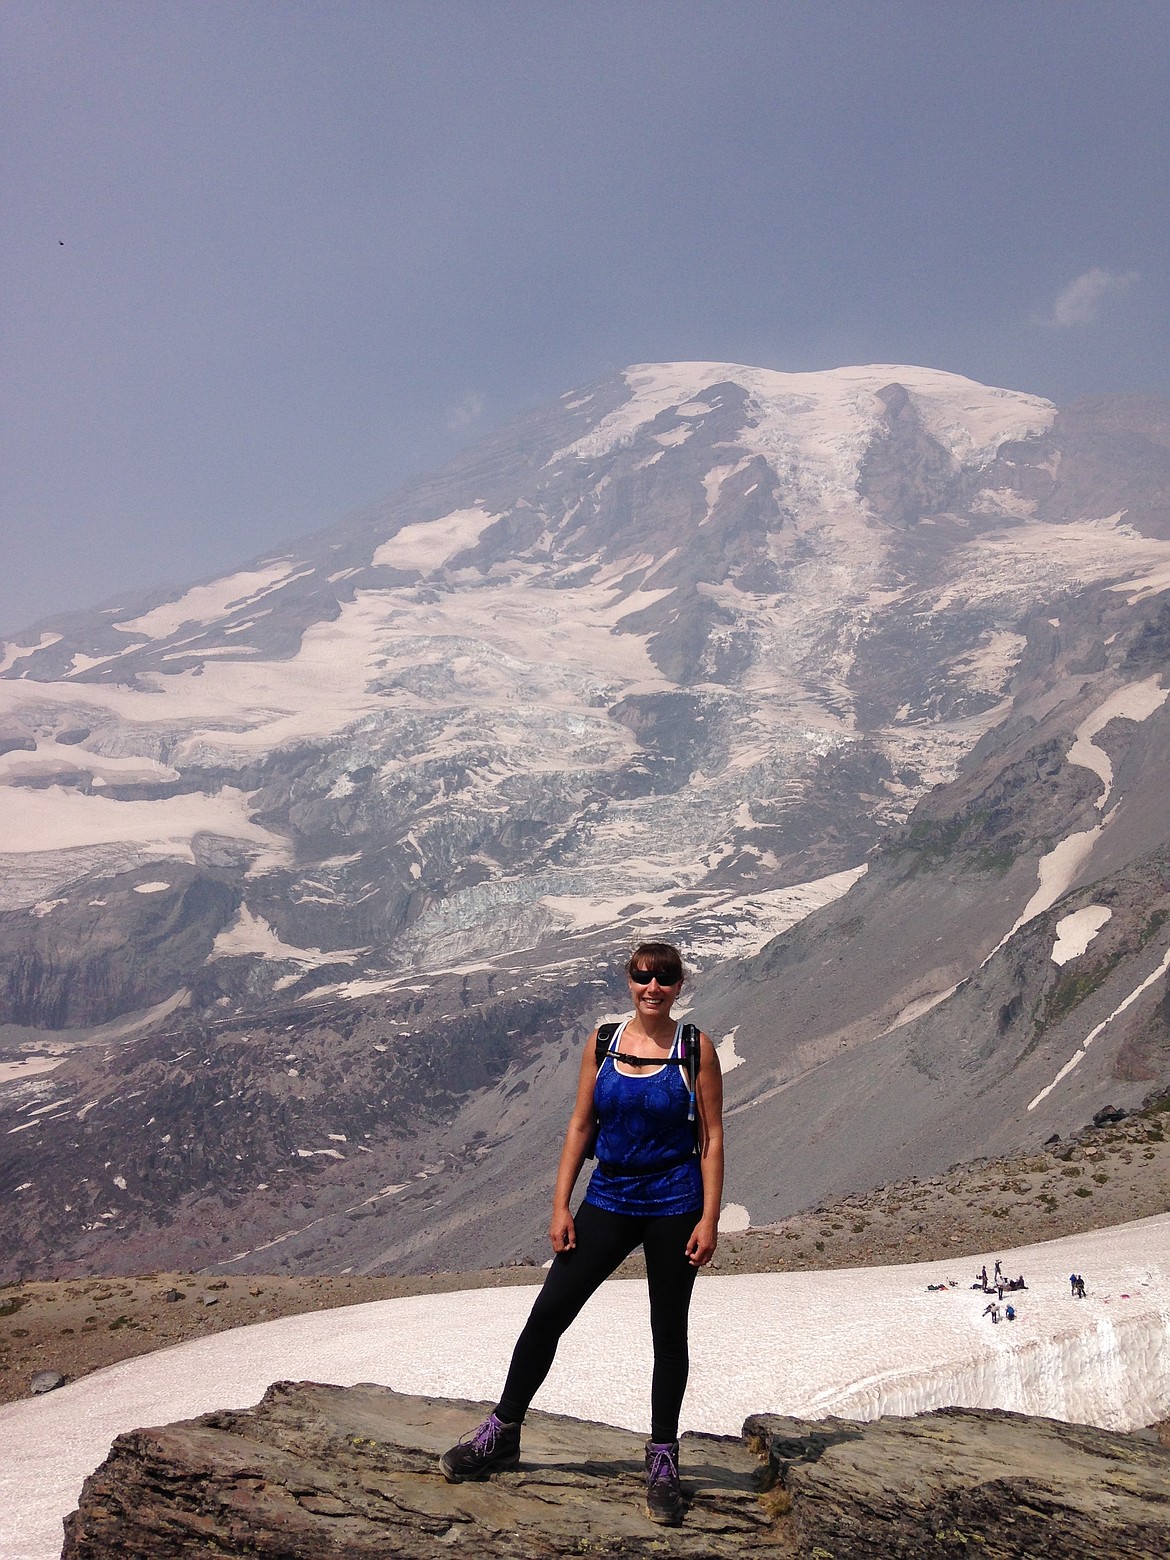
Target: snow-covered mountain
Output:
{"points": [[298, 862]]}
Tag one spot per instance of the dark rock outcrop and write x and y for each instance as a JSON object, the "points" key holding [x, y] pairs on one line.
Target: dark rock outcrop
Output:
{"points": [[320, 1471], [968, 1481]]}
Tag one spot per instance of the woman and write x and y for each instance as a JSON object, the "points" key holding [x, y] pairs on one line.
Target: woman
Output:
{"points": [[657, 1184]]}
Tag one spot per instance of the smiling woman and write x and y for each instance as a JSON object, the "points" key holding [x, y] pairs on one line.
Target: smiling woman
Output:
{"points": [[650, 1104]]}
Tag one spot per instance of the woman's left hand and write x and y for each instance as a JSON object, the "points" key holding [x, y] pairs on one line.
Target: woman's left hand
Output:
{"points": [[701, 1246]]}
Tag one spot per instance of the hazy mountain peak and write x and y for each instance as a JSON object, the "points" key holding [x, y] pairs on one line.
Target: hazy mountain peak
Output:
{"points": [[825, 417], [363, 822]]}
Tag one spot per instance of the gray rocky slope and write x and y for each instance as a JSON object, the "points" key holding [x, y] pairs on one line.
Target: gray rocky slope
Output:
{"points": [[316, 876]]}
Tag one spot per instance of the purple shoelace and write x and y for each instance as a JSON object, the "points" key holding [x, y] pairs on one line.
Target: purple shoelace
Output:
{"points": [[484, 1439], [663, 1468]]}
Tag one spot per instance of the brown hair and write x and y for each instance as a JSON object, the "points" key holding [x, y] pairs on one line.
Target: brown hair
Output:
{"points": [[660, 958]]}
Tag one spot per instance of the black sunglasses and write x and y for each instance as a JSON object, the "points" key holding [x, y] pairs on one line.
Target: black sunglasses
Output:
{"points": [[644, 977]]}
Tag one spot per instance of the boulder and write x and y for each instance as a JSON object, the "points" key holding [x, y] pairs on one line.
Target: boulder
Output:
{"points": [[46, 1381]]}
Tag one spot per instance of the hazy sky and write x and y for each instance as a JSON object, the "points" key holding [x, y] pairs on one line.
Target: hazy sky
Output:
{"points": [[264, 261]]}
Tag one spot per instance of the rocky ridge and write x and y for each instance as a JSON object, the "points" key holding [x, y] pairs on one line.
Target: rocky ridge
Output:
{"points": [[316, 1471]]}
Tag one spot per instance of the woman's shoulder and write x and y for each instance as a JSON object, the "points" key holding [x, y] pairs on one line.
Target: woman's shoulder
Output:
{"points": [[707, 1049]]}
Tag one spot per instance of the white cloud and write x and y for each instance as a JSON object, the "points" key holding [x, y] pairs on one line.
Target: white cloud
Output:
{"points": [[466, 412], [1080, 303]]}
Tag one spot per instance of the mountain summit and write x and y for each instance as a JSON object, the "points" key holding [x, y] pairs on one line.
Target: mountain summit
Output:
{"points": [[673, 655]]}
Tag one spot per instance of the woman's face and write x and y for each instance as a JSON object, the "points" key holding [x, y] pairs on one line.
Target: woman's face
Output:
{"points": [[652, 998]]}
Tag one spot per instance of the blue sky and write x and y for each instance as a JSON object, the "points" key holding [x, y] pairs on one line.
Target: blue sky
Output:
{"points": [[263, 262]]}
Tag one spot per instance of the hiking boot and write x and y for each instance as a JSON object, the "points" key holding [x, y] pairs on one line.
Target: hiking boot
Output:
{"points": [[490, 1448], [664, 1499]]}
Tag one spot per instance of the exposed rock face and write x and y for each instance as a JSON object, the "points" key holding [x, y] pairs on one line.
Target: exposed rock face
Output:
{"points": [[319, 1471], [316, 1472], [964, 1481]]}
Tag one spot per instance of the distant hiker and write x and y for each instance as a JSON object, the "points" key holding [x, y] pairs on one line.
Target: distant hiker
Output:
{"points": [[650, 1097], [1072, 1278], [992, 1310], [998, 1271], [983, 1277], [1080, 1287], [1010, 1313]]}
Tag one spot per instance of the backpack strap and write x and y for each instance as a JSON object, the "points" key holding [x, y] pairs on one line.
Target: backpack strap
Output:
{"points": [[690, 1060], [605, 1034]]}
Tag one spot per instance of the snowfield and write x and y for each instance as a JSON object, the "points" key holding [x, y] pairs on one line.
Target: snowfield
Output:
{"points": [[858, 1343], [822, 420]]}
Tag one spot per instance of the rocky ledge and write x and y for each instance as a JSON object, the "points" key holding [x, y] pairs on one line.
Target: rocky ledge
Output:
{"points": [[330, 1473]]}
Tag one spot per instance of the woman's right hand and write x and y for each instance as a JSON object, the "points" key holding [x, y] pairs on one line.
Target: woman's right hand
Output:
{"points": [[562, 1231]]}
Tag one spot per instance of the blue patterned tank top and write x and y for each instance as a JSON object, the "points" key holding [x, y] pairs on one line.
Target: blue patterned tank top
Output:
{"points": [[646, 1160]]}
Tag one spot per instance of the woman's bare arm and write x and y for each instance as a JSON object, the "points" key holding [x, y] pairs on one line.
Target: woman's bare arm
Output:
{"points": [[561, 1230], [709, 1098]]}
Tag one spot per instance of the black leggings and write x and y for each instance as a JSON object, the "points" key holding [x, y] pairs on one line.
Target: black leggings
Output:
{"points": [[604, 1241]]}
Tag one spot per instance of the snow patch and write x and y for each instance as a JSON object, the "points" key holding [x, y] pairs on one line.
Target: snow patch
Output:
{"points": [[1137, 701], [151, 888], [351, 990], [14, 652], [69, 759], [1152, 583], [1057, 870], [211, 650], [251, 934], [729, 1058], [714, 480], [28, 1067], [1075, 932], [57, 819], [1078, 1055], [673, 437], [82, 662], [427, 544], [918, 1007], [204, 603]]}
